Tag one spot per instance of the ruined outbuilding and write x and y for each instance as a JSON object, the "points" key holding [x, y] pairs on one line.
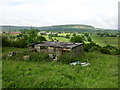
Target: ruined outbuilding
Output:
{"points": [[57, 48]]}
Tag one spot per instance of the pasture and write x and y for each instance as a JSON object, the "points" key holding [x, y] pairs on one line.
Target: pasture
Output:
{"points": [[102, 41]]}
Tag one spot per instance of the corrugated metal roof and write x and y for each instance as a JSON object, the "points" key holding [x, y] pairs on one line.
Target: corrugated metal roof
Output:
{"points": [[58, 44]]}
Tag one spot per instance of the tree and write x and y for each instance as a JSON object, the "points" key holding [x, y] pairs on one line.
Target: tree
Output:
{"points": [[86, 34], [20, 35], [76, 39], [92, 46], [74, 34], [20, 42], [23, 31], [5, 41], [32, 34], [83, 37], [105, 50], [50, 35], [67, 36], [40, 39], [55, 35], [89, 39]]}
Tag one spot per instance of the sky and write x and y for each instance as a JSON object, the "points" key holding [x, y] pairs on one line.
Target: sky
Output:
{"points": [[98, 13]]}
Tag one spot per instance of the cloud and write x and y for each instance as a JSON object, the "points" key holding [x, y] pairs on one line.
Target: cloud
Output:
{"points": [[99, 13]]}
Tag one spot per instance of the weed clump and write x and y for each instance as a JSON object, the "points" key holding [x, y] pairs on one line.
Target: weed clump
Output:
{"points": [[31, 56]]}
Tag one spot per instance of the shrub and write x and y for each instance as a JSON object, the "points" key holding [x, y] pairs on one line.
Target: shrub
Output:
{"points": [[5, 41], [74, 34], [105, 51], [118, 51], [109, 47], [67, 36], [89, 39], [114, 52], [94, 48], [86, 34], [40, 39], [77, 39], [20, 43]]}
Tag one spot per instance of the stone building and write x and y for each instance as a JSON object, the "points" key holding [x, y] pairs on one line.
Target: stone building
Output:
{"points": [[57, 48]]}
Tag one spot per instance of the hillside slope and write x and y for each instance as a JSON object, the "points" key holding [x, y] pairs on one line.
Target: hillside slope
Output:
{"points": [[68, 27]]}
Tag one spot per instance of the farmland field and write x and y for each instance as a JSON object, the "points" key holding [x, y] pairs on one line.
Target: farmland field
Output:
{"points": [[102, 41], [61, 39], [102, 73], [109, 40]]}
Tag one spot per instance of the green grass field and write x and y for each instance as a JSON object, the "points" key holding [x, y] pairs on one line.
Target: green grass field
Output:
{"points": [[102, 73], [62, 39], [102, 41], [109, 40]]}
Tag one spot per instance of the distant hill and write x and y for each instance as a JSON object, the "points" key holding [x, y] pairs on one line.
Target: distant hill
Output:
{"points": [[14, 28], [65, 28]]}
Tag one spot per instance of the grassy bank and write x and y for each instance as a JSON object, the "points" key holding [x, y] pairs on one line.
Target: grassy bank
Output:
{"points": [[102, 73]]}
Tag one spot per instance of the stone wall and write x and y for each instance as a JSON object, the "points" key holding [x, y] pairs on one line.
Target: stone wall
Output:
{"points": [[78, 50]]}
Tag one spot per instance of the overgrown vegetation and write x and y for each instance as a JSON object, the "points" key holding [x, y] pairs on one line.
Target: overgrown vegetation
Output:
{"points": [[102, 73], [108, 49], [33, 56]]}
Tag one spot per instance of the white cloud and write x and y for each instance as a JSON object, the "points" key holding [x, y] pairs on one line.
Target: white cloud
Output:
{"points": [[99, 13]]}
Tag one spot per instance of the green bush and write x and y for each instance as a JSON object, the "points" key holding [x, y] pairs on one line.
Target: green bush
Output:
{"points": [[20, 43], [108, 49], [77, 39], [5, 41], [74, 34], [40, 39], [105, 51], [91, 47], [113, 52], [94, 48], [89, 39], [67, 36]]}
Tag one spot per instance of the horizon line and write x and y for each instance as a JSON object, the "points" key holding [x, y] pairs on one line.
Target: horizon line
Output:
{"points": [[55, 25]]}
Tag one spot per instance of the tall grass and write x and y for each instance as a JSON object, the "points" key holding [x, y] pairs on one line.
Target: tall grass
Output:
{"points": [[70, 57], [33, 56], [102, 73]]}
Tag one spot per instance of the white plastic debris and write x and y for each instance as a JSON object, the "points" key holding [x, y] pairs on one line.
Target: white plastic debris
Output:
{"points": [[78, 62]]}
